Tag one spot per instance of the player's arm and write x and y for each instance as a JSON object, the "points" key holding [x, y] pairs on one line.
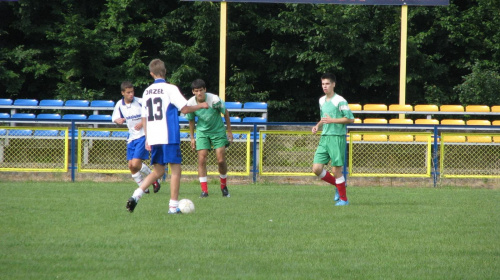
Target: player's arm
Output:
{"points": [[327, 119], [145, 126], [228, 124], [191, 134], [316, 127], [190, 109]]}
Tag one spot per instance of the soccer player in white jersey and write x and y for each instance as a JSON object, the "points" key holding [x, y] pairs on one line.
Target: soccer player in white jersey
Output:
{"points": [[128, 110], [335, 114], [210, 134], [161, 103]]}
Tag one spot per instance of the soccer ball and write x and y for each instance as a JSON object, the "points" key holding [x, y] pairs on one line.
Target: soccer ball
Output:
{"points": [[186, 206]]}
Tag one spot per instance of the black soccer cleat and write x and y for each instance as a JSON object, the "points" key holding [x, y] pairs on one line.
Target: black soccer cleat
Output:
{"points": [[131, 203], [156, 186], [203, 194], [225, 192], [146, 191]]}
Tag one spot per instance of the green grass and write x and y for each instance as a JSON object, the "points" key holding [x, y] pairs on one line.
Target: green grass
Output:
{"points": [[265, 231]]}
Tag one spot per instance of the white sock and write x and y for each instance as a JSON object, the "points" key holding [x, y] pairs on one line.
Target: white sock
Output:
{"points": [[340, 180], [173, 204], [223, 176], [323, 174], [138, 194], [137, 178], [203, 179], [145, 170]]}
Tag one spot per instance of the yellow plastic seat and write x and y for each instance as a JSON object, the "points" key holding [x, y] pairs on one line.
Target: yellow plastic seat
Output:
{"points": [[477, 108], [496, 139], [478, 122], [375, 121], [398, 107], [451, 108], [422, 138], [426, 108], [495, 108], [401, 138], [495, 123], [357, 120], [452, 122], [426, 121], [355, 137], [355, 107], [375, 138], [454, 138], [375, 107], [401, 121], [479, 139]]}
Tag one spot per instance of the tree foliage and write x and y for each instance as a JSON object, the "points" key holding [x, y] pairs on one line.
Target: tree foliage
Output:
{"points": [[275, 52]]}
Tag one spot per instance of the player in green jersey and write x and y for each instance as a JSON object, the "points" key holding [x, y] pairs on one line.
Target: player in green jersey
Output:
{"points": [[335, 115], [210, 134]]}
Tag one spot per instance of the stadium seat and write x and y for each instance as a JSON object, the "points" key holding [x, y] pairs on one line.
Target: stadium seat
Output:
{"points": [[102, 103], [375, 121], [234, 119], [451, 108], [23, 116], [375, 138], [400, 138], [4, 115], [426, 121], [254, 119], [355, 107], [478, 122], [51, 103], [20, 132], [74, 117], [479, 139], [255, 105], [233, 105], [452, 122], [184, 135], [495, 108], [100, 117], [426, 108], [25, 102], [423, 138], [496, 139], [120, 134], [477, 108], [76, 103], [46, 133], [3, 132], [401, 121], [453, 138], [398, 107], [183, 119], [375, 107], [49, 116], [355, 137], [495, 122], [5, 102], [357, 120], [236, 136], [74, 133], [98, 133]]}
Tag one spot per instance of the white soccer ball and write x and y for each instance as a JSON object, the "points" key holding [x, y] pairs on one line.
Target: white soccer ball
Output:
{"points": [[186, 206]]}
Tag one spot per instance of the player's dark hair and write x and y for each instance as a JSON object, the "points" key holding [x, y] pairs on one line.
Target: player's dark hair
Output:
{"points": [[198, 83], [126, 84], [329, 76]]}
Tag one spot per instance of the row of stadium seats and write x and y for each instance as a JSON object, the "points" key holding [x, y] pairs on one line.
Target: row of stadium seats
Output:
{"points": [[425, 108], [420, 138], [107, 103], [55, 133], [55, 116], [236, 136], [426, 121], [235, 119]]}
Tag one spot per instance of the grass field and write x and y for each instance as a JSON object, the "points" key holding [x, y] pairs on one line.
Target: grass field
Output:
{"points": [[265, 231]]}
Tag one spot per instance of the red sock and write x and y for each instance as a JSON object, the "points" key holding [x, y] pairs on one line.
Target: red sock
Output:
{"points": [[204, 187], [223, 182], [342, 191], [329, 178]]}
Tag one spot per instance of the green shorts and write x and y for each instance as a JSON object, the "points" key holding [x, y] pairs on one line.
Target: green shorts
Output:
{"points": [[209, 142], [331, 148]]}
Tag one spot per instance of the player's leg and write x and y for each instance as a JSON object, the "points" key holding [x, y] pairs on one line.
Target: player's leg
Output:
{"points": [[135, 166], [321, 157], [337, 154], [222, 164], [202, 172], [175, 182], [141, 154]]}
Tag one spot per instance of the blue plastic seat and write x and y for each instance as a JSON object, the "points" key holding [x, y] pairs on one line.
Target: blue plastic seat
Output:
{"points": [[23, 116], [76, 103], [233, 105], [183, 119], [184, 135], [49, 116], [20, 132], [235, 119], [120, 134], [25, 102], [92, 133], [100, 117], [47, 133], [51, 103], [236, 136], [3, 132], [72, 132], [254, 119], [74, 117], [4, 115], [255, 105], [102, 103], [5, 101]]}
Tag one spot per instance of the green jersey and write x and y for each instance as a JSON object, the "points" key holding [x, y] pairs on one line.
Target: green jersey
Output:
{"points": [[336, 108], [209, 120]]}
